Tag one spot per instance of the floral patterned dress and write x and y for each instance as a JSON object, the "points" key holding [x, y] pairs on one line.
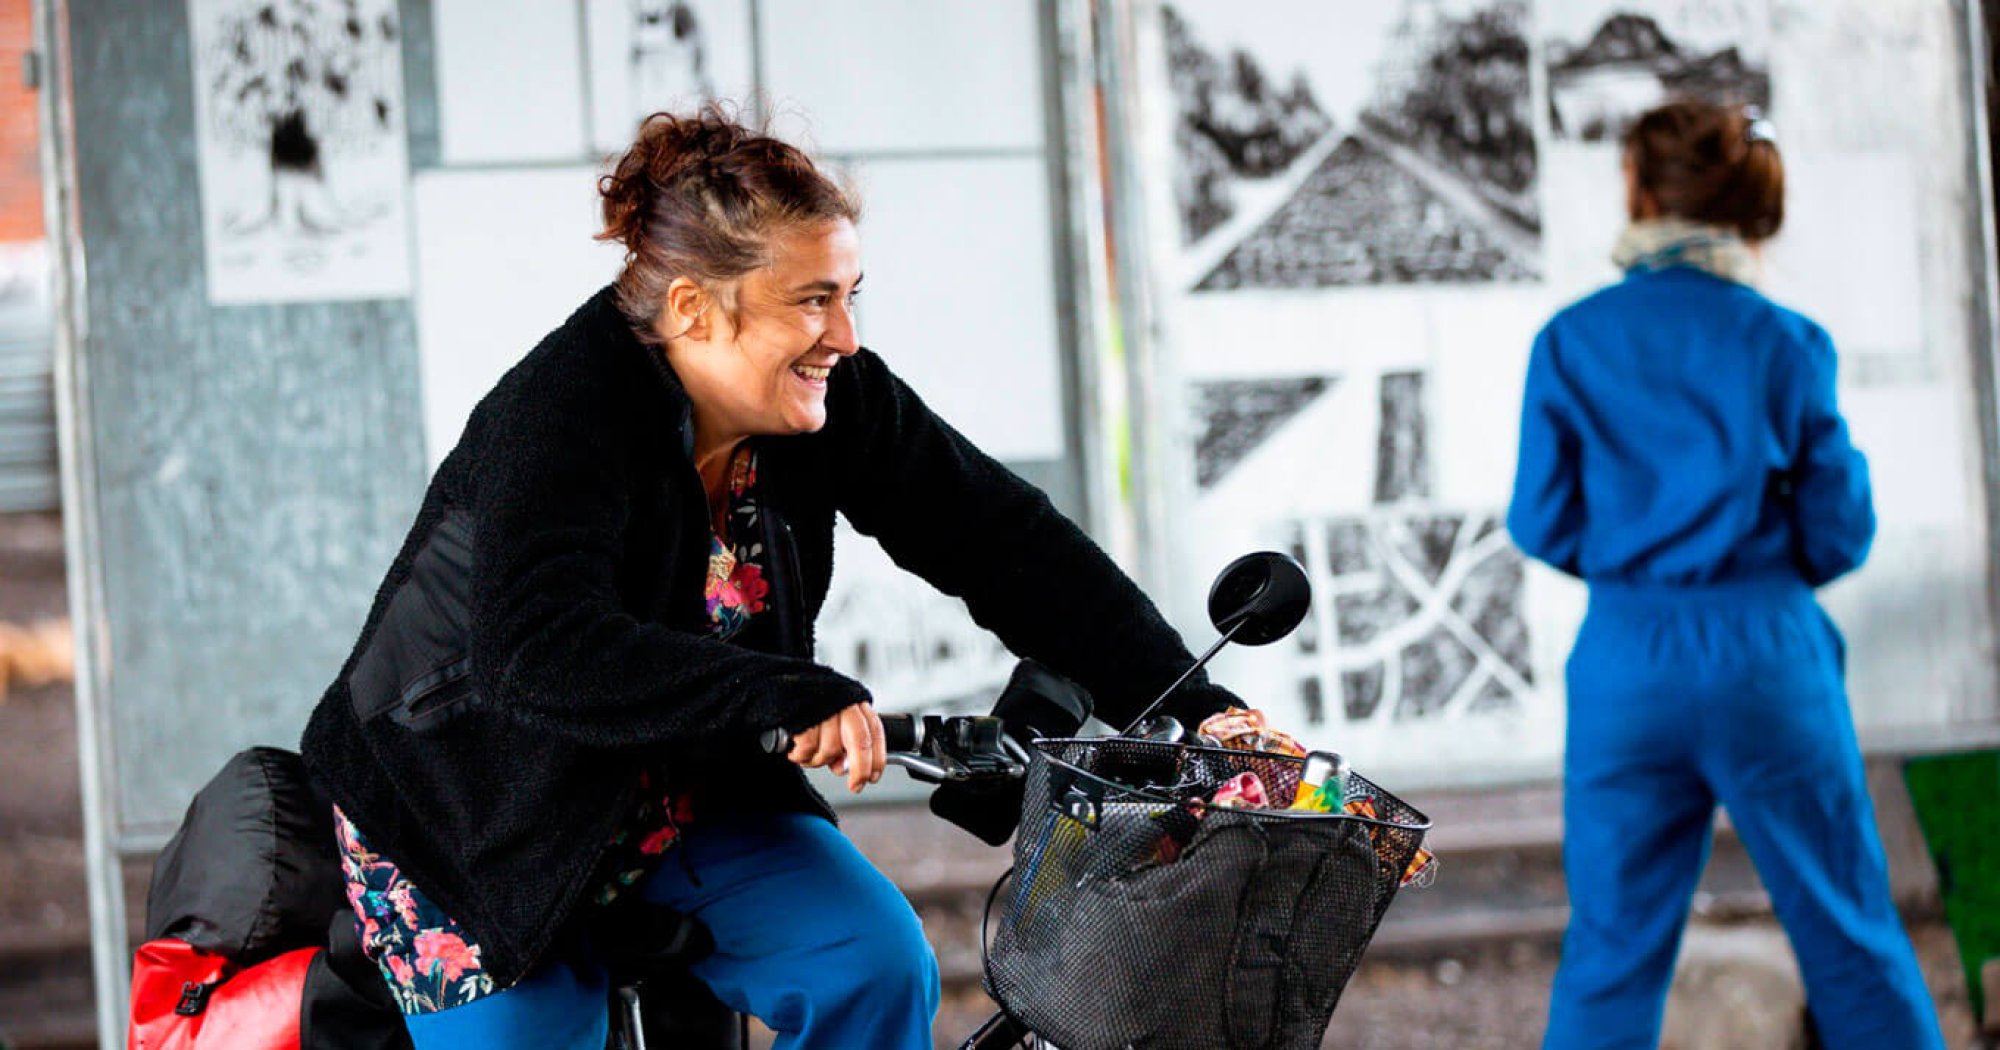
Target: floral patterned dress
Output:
{"points": [[430, 962]]}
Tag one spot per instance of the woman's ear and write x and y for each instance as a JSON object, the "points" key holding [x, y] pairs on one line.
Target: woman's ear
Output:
{"points": [[684, 314]]}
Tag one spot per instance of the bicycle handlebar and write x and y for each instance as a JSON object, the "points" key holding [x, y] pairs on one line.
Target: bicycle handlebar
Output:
{"points": [[936, 749], [899, 733]]}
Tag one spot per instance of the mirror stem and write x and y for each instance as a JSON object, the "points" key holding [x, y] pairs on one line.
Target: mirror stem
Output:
{"points": [[1168, 691]]}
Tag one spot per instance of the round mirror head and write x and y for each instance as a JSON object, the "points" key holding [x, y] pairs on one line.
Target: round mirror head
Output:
{"points": [[1261, 597]]}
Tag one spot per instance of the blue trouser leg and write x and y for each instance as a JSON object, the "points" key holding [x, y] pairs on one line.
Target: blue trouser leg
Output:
{"points": [[810, 937], [1789, 770], [1636, 826], [1675, 704], [562, 1005]]}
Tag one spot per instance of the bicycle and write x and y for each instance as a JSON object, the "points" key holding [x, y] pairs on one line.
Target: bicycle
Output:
{"points": [[1112, 830], [1142, 910]]}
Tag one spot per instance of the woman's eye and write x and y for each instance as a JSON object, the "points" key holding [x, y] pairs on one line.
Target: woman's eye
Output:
{"points": [[821, 302]]}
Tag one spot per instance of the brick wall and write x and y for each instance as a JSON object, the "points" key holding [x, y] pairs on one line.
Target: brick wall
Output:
{"points": [[20, 164]]}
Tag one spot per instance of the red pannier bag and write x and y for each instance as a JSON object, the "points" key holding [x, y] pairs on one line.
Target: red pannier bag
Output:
{"points": [[250, 941], [174, 1006]]}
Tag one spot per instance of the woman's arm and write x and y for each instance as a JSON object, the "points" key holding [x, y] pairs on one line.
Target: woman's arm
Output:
{"points": [[1833, 513], [551, 640], [975, 530], [1545, 516]]}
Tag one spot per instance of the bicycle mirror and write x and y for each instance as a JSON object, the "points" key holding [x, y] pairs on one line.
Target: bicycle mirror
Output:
{"points": [[1259, 598]]}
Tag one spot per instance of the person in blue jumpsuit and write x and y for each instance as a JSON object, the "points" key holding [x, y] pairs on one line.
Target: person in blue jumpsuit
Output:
{"points": [[1682, 453]]}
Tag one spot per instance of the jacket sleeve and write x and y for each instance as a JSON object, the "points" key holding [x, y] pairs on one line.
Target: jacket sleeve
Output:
{"points": [[551, 640], [1833, 512], [1545, 516], [949, 513]]}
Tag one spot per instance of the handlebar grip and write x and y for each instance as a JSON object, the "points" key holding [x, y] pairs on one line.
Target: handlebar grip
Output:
{"points": [[899, 733]]}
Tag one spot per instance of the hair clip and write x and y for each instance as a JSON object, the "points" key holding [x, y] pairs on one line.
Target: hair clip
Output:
{"points": [[1758, 127]]}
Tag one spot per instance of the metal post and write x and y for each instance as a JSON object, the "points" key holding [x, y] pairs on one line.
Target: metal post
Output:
{"points": [[1149, 436], [1985, 307], [103, 871], [1077, 210]]}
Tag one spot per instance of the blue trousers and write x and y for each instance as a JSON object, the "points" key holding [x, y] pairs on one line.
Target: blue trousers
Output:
{"points": [[810, 938], [1683, 699]]}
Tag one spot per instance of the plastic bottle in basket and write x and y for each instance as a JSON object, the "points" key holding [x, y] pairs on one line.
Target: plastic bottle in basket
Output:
{"points": [[1322, 786]]}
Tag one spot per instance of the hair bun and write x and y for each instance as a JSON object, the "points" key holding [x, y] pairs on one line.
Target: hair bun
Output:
{"points": [[667, 150], [1696, 162], [701, 197]]}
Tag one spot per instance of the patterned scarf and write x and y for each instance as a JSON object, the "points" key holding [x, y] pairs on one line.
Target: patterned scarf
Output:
{"points": [[1655, 244]]}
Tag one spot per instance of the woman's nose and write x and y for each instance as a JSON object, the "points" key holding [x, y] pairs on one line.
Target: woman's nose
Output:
{"points": [[842, 334]]}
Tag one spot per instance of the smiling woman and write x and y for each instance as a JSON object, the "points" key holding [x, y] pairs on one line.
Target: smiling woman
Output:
{"points": [[758, 233], [609, 594]]}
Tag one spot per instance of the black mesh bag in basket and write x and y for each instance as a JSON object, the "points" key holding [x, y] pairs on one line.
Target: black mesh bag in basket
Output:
{"points": [[1137, 916]]}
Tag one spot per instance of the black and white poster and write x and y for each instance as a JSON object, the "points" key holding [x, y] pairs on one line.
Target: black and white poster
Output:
{"points": [[1352, 258], [1356, 217], [1418, 606], [1352, 142], [649, 56], [1609, 62], [300, 140]]}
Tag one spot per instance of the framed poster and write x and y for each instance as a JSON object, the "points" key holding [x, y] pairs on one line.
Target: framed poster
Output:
{"points": [[299, 133]]}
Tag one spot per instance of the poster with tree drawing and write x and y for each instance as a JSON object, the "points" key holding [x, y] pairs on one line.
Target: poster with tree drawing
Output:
{"points": [[300, 140], [674, 55]]}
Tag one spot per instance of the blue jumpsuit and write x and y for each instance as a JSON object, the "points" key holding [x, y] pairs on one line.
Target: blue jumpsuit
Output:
{"points": [[1682, 453]]}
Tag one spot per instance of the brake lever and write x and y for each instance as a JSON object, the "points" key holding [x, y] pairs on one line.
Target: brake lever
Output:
{"points": [[965, 748]]}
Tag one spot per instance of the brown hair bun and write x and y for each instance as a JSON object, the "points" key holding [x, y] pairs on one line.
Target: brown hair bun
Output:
{"points": [[702, 197], [1710, 163]]}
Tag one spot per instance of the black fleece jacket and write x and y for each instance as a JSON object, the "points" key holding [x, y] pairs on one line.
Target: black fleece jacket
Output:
{"points": [[541, 638]]}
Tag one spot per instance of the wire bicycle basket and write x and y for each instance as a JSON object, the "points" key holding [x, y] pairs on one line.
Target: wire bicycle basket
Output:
{"points": [[1139, 914]]}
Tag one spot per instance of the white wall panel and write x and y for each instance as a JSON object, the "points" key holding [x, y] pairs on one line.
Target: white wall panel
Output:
{"points": [[875, 75], [961, 295], [510, 81]]}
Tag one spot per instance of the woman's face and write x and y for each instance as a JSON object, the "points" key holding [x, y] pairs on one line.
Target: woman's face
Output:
{"points": [[764, 370]]}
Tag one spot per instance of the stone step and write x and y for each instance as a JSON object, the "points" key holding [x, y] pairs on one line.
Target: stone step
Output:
{"points": [[46, 1002]]}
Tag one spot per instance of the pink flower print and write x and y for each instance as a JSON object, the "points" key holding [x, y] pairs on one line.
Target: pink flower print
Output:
{"points": [[399, 968], [721, 564], [350, 841], [657, 843], [749, 586], [405, 902], [344, 832], [436, 948]]}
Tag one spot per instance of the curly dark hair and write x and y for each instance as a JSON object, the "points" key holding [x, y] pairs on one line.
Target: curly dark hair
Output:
{"points": [[702, 197]]}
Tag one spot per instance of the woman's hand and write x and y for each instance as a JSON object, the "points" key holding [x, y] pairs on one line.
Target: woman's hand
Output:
{"points": [[850, 742]]}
